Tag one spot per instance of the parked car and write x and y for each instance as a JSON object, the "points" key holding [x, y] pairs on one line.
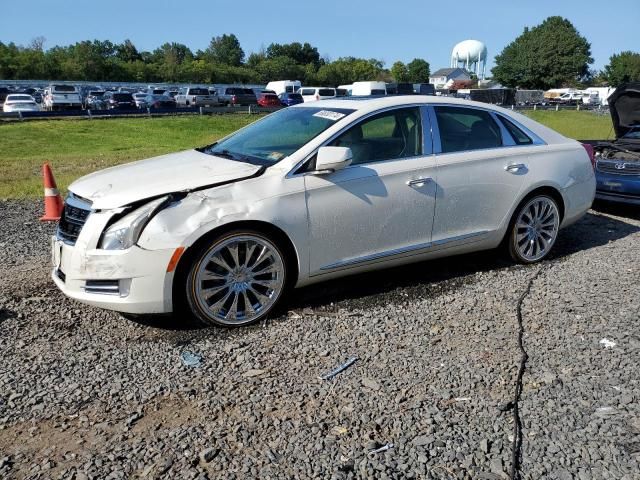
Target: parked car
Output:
{"points": [[289, 99], [312, 94], [159, 101], [140, 99], [4, 91], [61, 97], [268, 100], [232, 96], [618, 162], [196, 97], [118, 101], [20, 102], [314, 192], [94, 100]]}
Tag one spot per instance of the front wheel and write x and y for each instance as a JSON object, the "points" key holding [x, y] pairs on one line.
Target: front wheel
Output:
{"points": [[236, 280], [534, 229]]}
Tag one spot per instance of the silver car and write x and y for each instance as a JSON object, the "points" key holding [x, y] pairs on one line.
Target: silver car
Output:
{"points": [[313, 192]]}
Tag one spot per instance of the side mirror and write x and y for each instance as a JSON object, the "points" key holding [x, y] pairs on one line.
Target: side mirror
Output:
{"points": [[330, 159]]}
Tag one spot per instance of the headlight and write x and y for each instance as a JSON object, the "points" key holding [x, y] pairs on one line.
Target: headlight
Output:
{"points": [[125, 232]]}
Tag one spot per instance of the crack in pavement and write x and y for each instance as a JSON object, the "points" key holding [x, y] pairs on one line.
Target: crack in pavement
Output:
{"points": [[516, 448]]}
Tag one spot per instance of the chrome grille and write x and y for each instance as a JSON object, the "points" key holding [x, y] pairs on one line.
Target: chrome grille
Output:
{"points": [[74, 216], [619, 167]]}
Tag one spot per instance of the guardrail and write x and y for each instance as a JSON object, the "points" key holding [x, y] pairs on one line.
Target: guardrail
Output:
{"points": [[249, 110], [147, 112]]}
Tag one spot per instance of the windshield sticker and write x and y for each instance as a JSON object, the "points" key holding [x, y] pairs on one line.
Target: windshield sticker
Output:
{"points": [[276, 156], [329, 115]]}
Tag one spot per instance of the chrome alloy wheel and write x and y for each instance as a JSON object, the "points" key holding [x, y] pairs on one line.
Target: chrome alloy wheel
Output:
{"points": [[239, 280], [536, 228]]}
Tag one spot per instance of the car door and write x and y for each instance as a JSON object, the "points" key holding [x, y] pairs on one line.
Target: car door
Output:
{"points": [[481, 171], [381, 206]]}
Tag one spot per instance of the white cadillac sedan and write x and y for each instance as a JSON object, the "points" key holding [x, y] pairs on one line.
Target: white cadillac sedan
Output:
{"points": [[314, 192]]}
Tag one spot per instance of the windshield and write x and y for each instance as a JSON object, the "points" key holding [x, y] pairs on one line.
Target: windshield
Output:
{"points": [[278, 135]]}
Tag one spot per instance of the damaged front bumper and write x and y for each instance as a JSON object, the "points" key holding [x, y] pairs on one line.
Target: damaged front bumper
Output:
{"points": [[134, 280]]}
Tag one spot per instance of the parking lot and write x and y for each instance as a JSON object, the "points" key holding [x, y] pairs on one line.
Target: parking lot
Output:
{"points": [[86, 393]]}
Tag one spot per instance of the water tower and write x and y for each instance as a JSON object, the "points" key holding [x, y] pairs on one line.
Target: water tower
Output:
{"points": [[472, 55]]}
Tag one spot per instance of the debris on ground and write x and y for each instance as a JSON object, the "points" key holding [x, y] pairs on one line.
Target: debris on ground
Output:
{"points": [[339, 369]]}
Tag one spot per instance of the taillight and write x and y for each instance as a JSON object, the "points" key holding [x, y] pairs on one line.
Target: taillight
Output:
{"points": [[233, 99], [590, 151]]}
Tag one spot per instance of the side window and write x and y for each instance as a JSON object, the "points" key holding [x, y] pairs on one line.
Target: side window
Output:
{"points": [[466, 129], [518, 135], [386, 136]]}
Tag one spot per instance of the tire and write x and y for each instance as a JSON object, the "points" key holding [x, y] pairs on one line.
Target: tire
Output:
{"points": [[533, 229], [237, 279]]}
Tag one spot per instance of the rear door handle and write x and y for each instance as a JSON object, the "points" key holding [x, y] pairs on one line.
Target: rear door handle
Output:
{"points": [[515, 167], [418, 182]]}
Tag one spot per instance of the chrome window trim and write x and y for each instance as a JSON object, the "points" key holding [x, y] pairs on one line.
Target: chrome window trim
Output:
{"points": [[292, 173]]}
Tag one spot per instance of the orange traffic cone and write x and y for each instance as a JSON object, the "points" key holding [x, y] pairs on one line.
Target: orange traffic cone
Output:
{"points": [[52, 199]]}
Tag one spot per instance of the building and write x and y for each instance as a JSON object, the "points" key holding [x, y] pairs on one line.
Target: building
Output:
{"points": [[444, 77]]}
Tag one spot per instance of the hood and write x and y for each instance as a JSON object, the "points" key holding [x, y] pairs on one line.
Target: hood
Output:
{"points": [[624, 105], [119, 186]]}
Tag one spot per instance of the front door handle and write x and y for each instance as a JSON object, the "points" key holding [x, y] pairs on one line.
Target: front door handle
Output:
{"points": [[515, 167], [418, 182]]}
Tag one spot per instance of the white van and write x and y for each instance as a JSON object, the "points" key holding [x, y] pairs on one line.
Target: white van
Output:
{"points": [[282, 86], [344, 88], [311, 94], [360, 89]]}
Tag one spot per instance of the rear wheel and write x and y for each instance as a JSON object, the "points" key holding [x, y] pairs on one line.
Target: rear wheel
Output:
{"points": [[238, 279], [534, 229]]}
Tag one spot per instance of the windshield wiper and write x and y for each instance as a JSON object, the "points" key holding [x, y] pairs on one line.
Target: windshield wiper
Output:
{"points": [[223, 153]]}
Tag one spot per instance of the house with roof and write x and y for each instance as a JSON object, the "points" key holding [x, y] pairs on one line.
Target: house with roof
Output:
{"points": [[444, 77]]}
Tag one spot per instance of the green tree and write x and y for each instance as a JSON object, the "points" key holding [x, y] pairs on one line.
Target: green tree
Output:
{"points": [[347, 70], [297, 52], [418, 70], [623, 67], [548, 55], [127, 52], [225, 50], [400, 72]]}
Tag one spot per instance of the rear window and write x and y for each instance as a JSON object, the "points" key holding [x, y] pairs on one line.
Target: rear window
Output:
{"points": [[308, 91], [295, 96], [19, 97], [466, 129], [198, 91], [247, 91], [64, 88], [518, 135], [326, 92], [232, 91], [159, 91], [122, 97], [376, 91]]}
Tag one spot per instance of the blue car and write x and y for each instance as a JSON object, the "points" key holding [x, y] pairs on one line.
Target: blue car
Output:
{"points": [[618, 162], [287, 99]]}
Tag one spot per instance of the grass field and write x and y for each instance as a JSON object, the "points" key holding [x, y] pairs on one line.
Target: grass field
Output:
{"points": [[77, 147]]}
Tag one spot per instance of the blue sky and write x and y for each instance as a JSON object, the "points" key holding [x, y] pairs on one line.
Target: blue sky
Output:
{"points": [[389, 30]]}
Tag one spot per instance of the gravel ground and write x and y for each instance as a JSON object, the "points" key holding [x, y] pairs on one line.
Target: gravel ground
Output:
{"points": [[86, 393]]}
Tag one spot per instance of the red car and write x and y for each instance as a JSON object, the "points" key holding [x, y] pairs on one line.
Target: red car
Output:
{"points": [[268, 100]]}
